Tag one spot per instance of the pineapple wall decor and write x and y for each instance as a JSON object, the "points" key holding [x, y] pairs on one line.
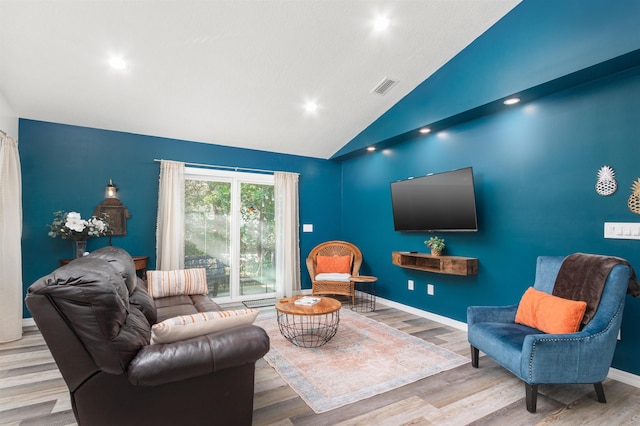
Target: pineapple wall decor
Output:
{"points": [[606, 184], [634, 198]]}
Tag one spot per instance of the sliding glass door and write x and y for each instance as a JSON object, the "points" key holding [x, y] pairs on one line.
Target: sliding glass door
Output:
{"points": [[230, 231]]}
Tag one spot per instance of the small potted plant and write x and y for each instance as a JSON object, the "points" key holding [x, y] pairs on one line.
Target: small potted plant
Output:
{"points": [[436, 245]]}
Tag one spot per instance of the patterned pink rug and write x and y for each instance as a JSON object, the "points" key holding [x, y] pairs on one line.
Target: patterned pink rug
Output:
{"points": [[365, 358]]}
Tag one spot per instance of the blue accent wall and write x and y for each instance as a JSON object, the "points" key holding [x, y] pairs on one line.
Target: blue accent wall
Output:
{"points": [[67, 167], [535, 164]]}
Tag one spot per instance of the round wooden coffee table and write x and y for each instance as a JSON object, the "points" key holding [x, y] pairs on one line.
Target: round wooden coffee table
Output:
{"points": [[308, 326]]}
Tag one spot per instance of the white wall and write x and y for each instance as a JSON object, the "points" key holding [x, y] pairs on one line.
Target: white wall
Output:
{"points": [[8, 118]]}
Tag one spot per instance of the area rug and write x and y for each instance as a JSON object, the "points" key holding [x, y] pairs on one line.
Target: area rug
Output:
{"points": [[364, 359]]}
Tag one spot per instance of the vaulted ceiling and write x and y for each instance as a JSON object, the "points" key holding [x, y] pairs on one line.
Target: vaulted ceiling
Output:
{"points": [[229, 72]]}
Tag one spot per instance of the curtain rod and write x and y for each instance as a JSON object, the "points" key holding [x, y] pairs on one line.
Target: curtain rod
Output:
{"points": [[213, 166]]}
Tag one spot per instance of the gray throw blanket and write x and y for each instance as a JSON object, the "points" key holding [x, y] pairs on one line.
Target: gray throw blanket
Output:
{"points": [[582, 277]]}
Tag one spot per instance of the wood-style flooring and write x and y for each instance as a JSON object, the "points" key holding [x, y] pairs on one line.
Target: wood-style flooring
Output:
{"points": [[32, 391]]}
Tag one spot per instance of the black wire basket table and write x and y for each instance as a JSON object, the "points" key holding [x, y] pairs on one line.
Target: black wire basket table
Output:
{"points": [[308, 326]]}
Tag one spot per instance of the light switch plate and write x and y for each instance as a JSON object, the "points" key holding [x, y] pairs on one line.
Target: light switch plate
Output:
{"points": [[622, 230], [307, 227]]}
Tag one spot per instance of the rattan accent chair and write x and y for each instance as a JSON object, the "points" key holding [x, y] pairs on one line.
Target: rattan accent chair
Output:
{"points": [[334, 248]]}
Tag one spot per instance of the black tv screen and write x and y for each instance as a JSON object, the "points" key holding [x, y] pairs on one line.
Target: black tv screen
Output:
{"points": [[435, 202]]}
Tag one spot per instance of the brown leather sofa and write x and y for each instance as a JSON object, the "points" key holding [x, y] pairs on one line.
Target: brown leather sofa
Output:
{"points": [[96, 315]]}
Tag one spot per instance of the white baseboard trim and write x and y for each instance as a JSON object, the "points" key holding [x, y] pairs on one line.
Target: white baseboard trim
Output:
{"points": [[28, 322], [624, 377], [615, 374], [425, 314], [419, 312]]}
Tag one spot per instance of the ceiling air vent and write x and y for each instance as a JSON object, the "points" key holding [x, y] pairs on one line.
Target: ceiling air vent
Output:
{"points": [[384, 86]]}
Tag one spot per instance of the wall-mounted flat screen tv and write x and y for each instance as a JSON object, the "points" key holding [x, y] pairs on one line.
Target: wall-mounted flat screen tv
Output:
{"points": [[435, 202]]}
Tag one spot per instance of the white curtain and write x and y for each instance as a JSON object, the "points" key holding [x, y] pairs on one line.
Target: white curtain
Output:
{"points": [[170, 225], [287, 234], [10, 241]]}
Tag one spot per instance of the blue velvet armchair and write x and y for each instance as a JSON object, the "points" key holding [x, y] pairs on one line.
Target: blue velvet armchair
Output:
{"points": [[539, 358]]}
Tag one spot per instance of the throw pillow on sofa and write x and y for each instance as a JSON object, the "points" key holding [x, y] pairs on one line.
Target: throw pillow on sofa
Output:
{"points": [[188, 326], [177, 283]]}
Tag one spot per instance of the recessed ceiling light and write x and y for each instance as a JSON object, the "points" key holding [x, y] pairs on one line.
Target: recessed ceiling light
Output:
{"points": [[117, 63], [311, 106], [371, 148], [511, 101], [425, 130], [381, 23]]}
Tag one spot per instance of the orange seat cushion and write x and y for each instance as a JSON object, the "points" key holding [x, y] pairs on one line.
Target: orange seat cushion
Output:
{"points": [[548, 313], [333, 264]]}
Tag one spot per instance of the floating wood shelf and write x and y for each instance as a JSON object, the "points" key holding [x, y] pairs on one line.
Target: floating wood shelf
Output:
{"points": [[453, 265]]}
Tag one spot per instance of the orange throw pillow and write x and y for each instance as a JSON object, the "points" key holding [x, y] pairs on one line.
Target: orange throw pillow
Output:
{"points": [[333, 264], [548, 313]]}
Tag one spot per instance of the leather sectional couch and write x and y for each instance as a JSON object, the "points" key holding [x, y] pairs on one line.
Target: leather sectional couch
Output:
{"points": [[96, 316]]}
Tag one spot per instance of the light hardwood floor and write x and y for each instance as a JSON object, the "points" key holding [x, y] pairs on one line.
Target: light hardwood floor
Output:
{"points": [[32, 391]]}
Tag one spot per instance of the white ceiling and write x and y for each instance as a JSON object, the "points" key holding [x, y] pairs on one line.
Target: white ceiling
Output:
{"points": [[228, 72]]}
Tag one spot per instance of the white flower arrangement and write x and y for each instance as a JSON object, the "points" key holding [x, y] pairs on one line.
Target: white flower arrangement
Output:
{"points": [[72, 226]]}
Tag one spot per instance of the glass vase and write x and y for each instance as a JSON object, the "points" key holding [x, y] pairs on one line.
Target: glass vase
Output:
{"points": [[79, 247]]}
